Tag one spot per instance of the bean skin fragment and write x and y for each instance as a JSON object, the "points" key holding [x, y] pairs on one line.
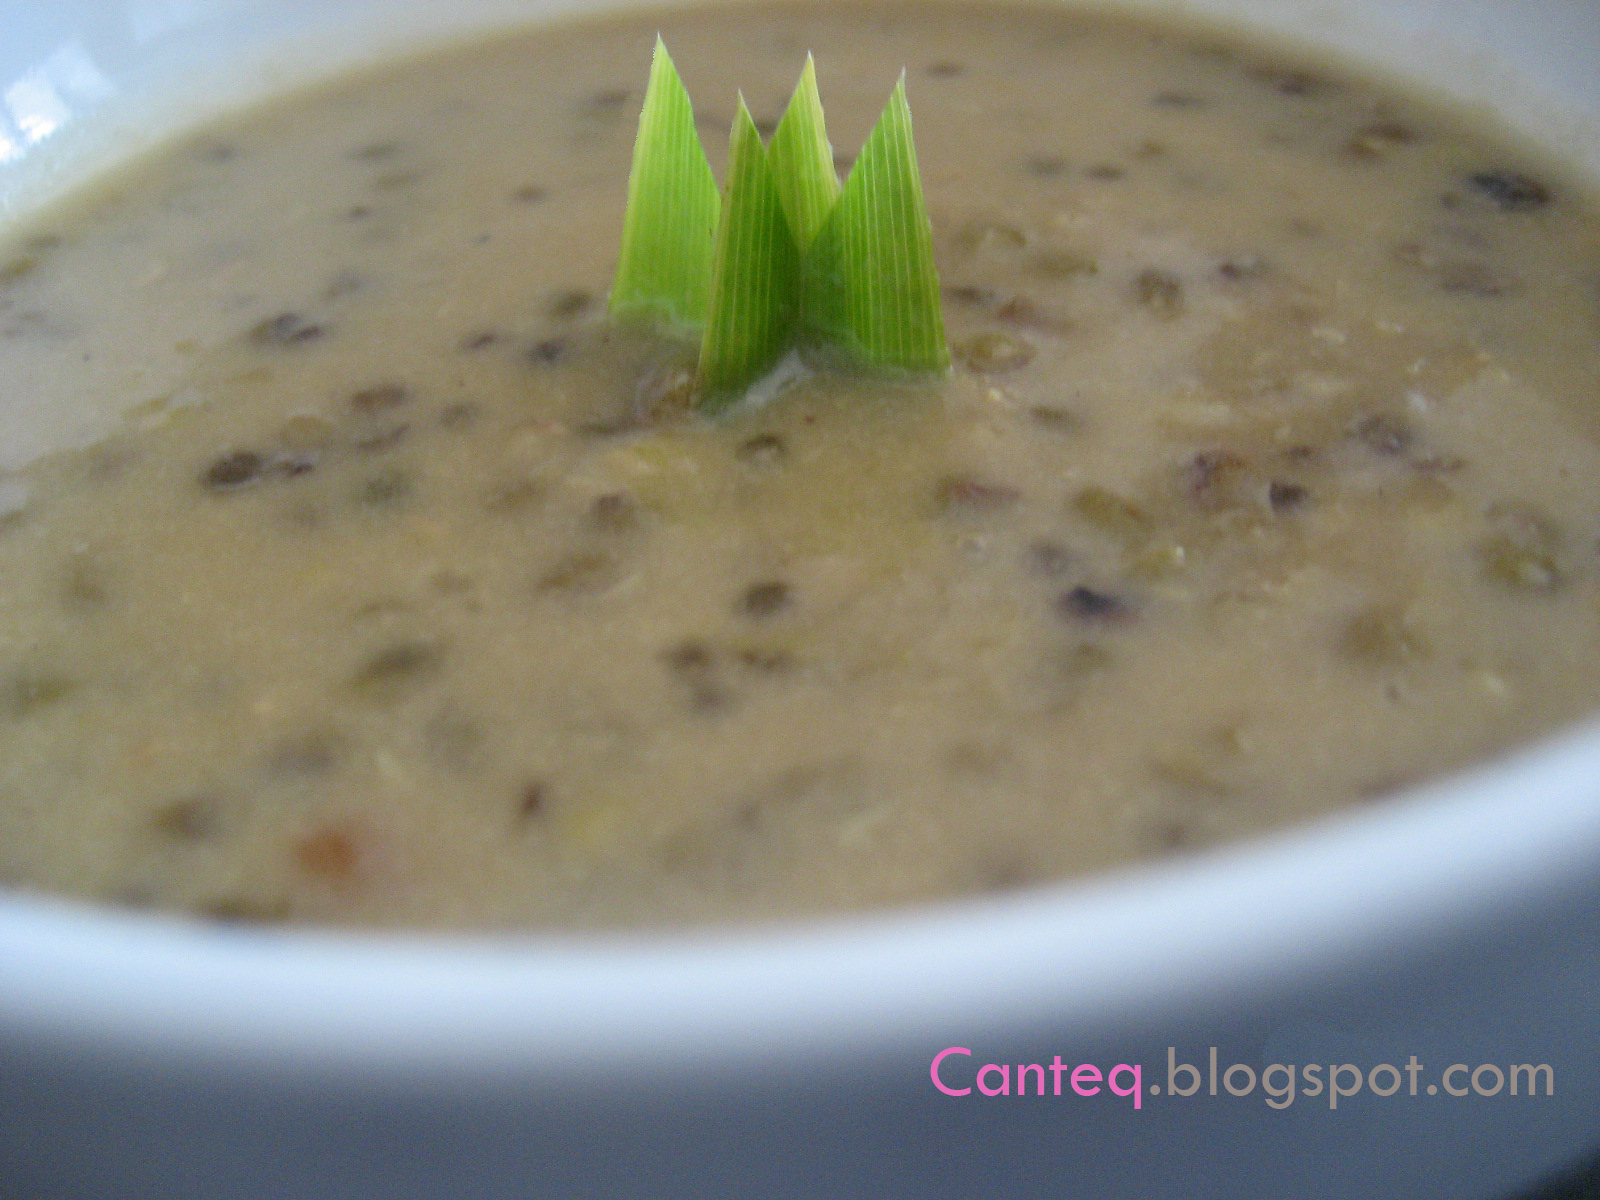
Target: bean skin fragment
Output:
{"points": [[286, 330], [1510, 191], [766, 599], [233, 470], [1086, 603]]}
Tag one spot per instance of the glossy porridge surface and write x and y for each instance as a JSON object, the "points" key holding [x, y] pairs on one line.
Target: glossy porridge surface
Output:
{"points": [[1264, 484]]}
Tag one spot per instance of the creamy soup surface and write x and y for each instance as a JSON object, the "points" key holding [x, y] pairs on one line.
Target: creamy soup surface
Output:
{"points": [[1264, 484]]}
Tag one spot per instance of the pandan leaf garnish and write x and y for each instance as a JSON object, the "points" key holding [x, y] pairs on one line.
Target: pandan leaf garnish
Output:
{"points": [[871, 290], [784, 259], [802, 160], [664, 272], [755, 288]]}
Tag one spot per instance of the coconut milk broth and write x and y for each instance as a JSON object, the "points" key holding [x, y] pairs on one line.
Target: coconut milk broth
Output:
{"points": [[1262, 486]]}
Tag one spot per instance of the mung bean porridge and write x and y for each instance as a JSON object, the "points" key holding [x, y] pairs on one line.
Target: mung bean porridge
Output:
{"points": [[1263, 485]]}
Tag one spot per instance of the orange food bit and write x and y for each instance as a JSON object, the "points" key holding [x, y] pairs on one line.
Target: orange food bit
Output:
{"points": [[332, 853]]}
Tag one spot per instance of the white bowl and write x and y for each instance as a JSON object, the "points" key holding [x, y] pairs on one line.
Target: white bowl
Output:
{"points": [[141, 1056]]}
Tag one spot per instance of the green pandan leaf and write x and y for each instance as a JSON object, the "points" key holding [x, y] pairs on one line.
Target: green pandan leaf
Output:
{"points": [[664, 271], [755, 275], [783, 257], [802, 160], [871, 292]]}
